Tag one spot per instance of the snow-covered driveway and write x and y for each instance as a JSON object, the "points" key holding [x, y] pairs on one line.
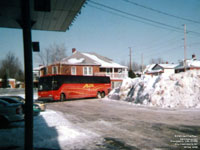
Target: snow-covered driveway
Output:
{"points": [[106, 124]]}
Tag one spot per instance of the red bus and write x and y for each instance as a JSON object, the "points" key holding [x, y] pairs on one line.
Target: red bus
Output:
{"points": [[62, 87]]}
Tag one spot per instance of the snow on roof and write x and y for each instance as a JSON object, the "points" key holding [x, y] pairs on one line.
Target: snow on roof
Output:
{"points": [[38, 68], [149, 68], [193, 63], [78, 59], [10, 79], [189, 63], [155, 71], [75, 60], [168, 66], [105, 63]]}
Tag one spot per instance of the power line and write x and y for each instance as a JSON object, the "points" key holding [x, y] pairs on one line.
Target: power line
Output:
{"points": [[157, 44], [161, 12], [165, 51], [143, 18], [162, 44], [123, 16]]}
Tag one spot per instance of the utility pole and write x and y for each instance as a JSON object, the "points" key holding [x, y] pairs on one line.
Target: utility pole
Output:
{"points": [[142, 62], [130, 57], [185, 47]]}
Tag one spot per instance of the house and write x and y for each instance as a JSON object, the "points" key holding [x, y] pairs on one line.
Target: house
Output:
{"points": [[36, 75], [157, 69], [88, 64], [190, 64], [11, 83]]}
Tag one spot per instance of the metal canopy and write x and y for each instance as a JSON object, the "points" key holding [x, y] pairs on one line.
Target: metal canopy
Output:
{"points": [[59, 18], [50, 15]]}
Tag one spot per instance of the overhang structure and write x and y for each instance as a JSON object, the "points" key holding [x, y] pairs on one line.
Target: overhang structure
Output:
{"points": [[48, 15]]}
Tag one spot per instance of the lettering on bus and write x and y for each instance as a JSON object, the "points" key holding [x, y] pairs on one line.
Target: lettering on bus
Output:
{"points": [[88, 86]]}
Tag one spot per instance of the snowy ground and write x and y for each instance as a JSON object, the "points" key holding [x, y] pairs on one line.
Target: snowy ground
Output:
{"points": [[105, 124], [180, 90], [51, 131]]}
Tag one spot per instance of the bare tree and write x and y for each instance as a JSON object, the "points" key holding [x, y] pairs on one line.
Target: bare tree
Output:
{"points": [[11, 67], [157, 61], [53, 53], [124, 63], [135, 66]]}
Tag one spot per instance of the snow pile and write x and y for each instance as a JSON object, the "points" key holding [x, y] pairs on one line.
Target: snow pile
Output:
{"points": [[168, 91]]}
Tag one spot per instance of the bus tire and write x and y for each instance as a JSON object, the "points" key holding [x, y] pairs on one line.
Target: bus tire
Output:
{"points": [[62, 97], [103, 94], [99, 95]]}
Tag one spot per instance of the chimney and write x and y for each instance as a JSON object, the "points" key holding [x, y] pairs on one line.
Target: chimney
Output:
{"points": [[73, 50], [193, 56]]}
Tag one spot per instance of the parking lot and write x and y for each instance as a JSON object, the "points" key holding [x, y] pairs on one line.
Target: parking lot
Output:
{"points": [[103, 124], [122, 125]]}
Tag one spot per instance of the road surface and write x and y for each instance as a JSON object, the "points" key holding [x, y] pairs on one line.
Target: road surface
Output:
{"points": [[122, 125]]}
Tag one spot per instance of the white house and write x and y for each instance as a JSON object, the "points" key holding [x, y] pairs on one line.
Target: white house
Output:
{"points": [[157, 69], [190, 64]]}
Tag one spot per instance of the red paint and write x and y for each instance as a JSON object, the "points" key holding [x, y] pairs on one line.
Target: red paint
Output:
{"points": [[76, 90]]}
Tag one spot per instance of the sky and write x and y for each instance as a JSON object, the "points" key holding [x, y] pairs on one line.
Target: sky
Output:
{"points": [[112, 28]]}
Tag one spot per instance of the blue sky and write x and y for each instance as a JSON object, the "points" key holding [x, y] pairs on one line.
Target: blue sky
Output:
{"points": [[111, 35]]}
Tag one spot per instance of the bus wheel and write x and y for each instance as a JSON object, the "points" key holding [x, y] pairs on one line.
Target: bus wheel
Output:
{"points": [[103, 94], [98, 94], [62, 97]]}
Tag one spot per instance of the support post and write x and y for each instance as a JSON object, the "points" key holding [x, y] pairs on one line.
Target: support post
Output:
{"points": [[185, 47], [28, 67], [130, 58]]}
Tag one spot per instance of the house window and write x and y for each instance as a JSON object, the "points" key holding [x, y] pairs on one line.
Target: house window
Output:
{"points": [[87, 70], [46, 71], [55, 70], [108, 70], [73, 70]]}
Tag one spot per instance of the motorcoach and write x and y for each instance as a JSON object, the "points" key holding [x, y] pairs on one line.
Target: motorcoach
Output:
{"points": [[62, 87]]}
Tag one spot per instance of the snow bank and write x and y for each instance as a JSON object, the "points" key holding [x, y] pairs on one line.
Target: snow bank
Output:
{"points": [[180, 90]]}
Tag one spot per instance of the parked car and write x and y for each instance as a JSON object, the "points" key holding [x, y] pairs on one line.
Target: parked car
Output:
{"points": [[10, 112], [36, 108], [39, 103]]}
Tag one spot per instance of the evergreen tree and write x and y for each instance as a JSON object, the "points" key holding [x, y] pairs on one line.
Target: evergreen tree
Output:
{"points": [[131, 74], [5, 81]]}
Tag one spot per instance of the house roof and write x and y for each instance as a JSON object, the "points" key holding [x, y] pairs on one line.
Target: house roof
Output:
{"points": [[190, 63], [38, 68], [79, 58], [104, 61], [150, 68], [193, 63], [168, 66]]}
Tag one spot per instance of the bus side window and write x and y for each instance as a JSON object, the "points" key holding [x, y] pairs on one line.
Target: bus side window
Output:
{"points": [[54, 84], [40, 87]]}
